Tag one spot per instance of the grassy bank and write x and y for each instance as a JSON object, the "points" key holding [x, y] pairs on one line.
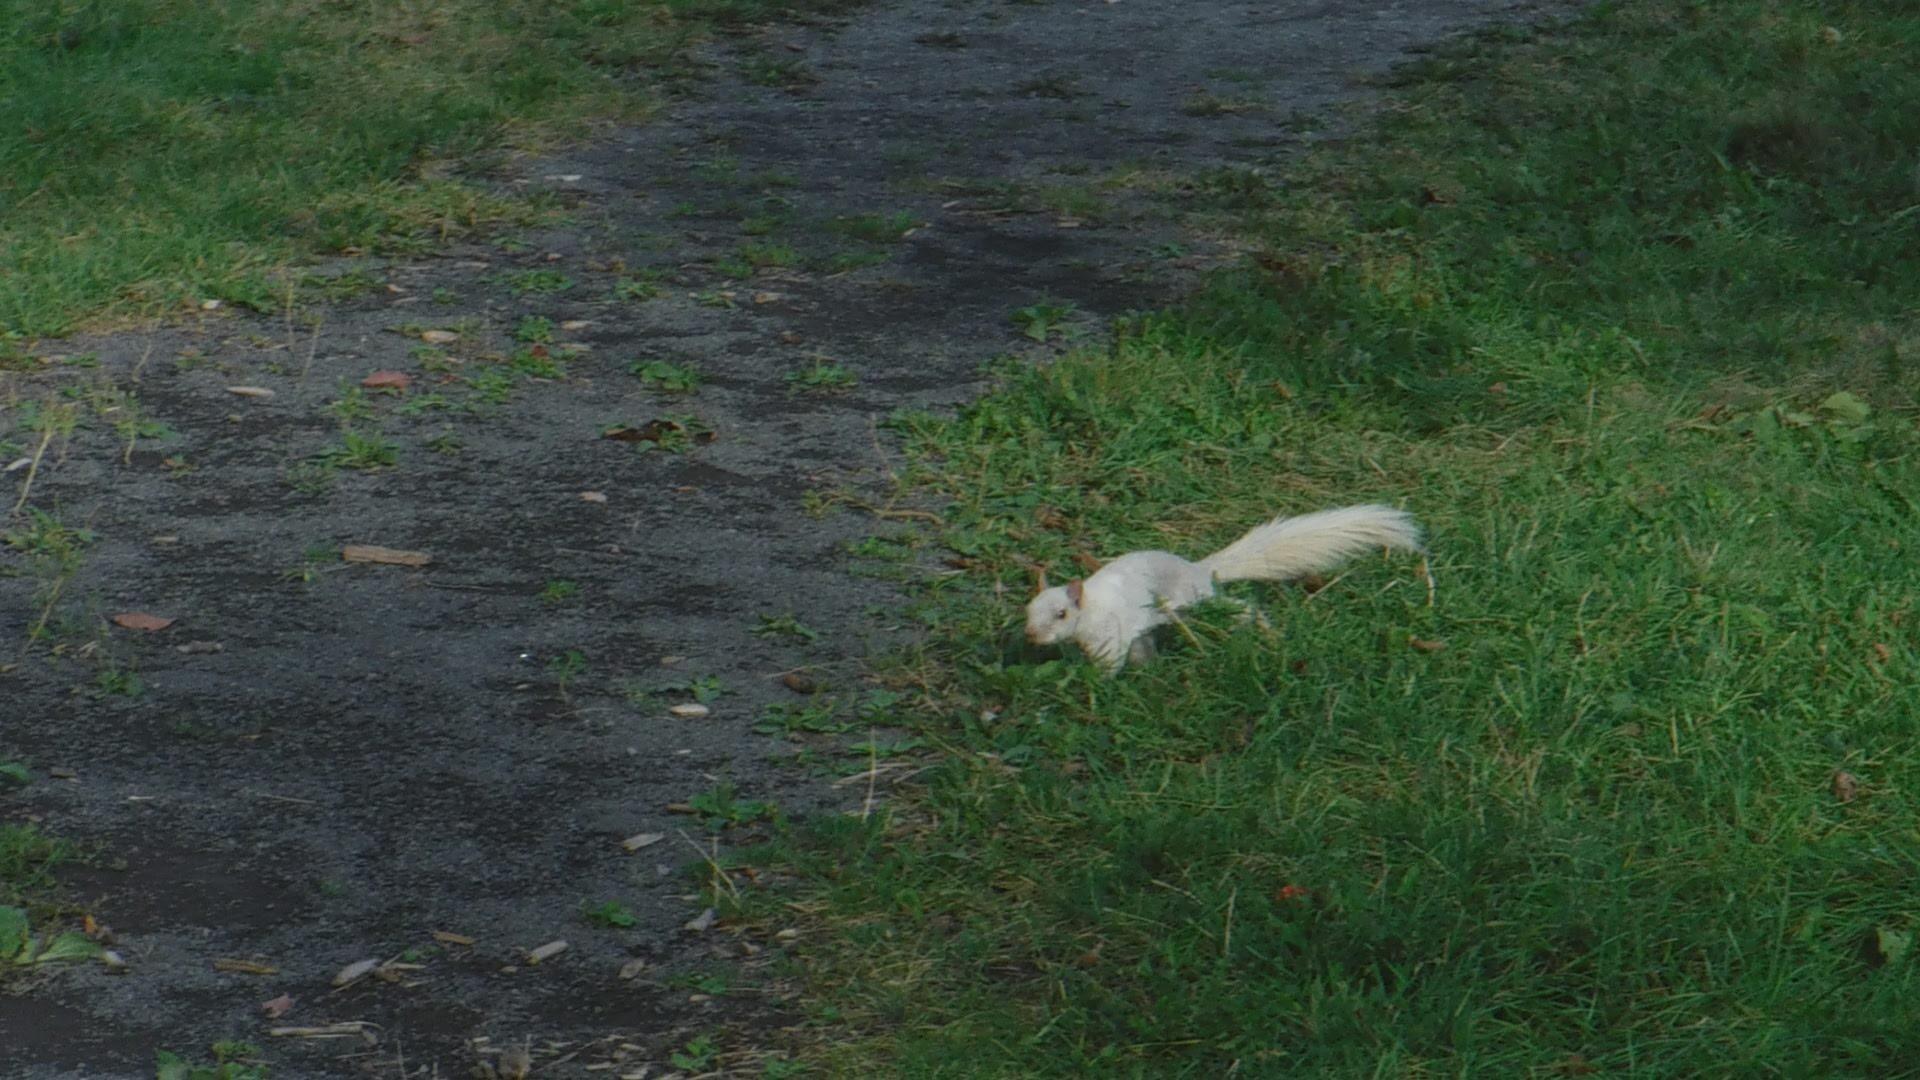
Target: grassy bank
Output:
{"points": [[161, 152], [1627, 315]]}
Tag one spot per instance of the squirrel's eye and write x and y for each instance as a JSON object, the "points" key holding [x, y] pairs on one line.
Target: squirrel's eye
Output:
{"points": [[1062, 614]]}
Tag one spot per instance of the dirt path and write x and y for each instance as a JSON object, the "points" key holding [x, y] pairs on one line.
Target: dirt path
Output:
{"points": [[325, 763]]}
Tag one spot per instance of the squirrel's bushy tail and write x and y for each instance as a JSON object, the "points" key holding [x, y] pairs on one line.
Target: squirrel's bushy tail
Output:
{"points": [[1289, 547]]}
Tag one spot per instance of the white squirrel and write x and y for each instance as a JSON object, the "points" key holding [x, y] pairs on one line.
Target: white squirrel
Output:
{"points": [[1112, 613]]}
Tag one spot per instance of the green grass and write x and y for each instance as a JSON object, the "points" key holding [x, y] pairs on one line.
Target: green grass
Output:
{"points": [[823, 377], [27, 859], [1627, 317], [161, 152]]}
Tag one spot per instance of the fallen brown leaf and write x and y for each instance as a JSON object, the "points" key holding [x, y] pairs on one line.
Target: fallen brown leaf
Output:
{"points": [[250, 391], [1846, 786], [140, 620], [1424, 645], [387, 380], [546, 952], [642, 840], [278, 1007], [439, 337], [655, 431], [448, 937], [799, 683], [373, 553]]}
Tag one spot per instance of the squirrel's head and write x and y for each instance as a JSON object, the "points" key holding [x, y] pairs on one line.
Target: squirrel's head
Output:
{"points": [[1052, 615]]}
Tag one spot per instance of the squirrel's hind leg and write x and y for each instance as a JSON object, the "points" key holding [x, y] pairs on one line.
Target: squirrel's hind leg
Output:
{"points": [[1142, 650]]}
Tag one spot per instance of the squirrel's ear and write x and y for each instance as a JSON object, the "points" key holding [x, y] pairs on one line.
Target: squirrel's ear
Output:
{"points": [[1076, 592], [1040, 578]]}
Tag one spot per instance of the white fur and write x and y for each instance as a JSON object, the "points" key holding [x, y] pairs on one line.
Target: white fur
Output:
{"points": [[1119, 606]]}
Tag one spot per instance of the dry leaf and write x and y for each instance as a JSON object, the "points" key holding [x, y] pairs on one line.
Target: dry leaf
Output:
{"points": [[632, 968], [703, 922], [439, 337], [354, 972], [278, 1007], [1846, 786], [140, 620], [546, 952], [1881, 650], [593, 496], [115, 963], [576, 324], [373, 553], [250, 391], [450, 938], [387, 380], [1424, 645], [798, 683], [245, 967], [690, 710], [642, 840]]}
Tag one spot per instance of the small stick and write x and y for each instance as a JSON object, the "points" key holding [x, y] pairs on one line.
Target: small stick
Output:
{"points": [[712, 861], [33, 467], [873, 771]]}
